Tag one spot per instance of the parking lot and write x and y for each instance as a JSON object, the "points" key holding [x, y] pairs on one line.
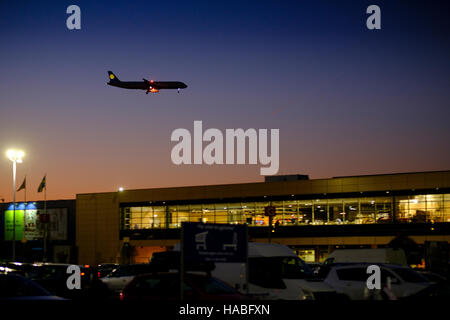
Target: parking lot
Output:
{"points": [[274, 273]]}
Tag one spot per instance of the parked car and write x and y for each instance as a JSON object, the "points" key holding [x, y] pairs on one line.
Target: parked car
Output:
{"points": [[19, 267], [117, 280], [314, 266], [437, 291], [351, 279], [275, 272], [16, 287], [53, 277], [431, 276], [6, 270], [105, 268], [166, 286]]}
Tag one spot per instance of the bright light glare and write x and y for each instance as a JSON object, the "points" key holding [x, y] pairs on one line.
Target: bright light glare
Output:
{"points": [[120, 189], [15, 155]]}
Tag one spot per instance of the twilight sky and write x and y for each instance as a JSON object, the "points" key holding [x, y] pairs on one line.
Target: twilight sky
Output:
{"points": [[347, 101]]}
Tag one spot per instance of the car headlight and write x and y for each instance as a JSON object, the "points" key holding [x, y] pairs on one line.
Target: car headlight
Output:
{"points": [[307, 295]]}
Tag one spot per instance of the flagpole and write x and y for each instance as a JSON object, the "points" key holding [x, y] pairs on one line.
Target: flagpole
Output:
{"points": [[14, 213], [46, 223], [25, 209], [45, 195], [24, 219]]}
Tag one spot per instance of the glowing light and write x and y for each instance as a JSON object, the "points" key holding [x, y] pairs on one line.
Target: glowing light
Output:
{"points": [[15, 155], [121, 189]]}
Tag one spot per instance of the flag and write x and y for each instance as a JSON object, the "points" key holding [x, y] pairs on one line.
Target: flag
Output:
{"points": [[23, 185], [43, 184]]}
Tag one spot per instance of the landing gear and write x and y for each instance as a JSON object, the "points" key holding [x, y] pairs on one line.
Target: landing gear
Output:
{"points": [[178, 90]]}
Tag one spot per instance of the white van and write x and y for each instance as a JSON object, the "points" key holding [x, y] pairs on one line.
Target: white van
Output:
{"points": [[380, 255], [275, 272]]}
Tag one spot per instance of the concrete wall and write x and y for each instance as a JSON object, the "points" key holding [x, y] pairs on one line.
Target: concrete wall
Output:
{"points": [[388, 182], [97, 232]]}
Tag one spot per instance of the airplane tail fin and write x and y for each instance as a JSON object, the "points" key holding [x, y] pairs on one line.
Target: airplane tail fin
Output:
{"points": [[113, 77]]}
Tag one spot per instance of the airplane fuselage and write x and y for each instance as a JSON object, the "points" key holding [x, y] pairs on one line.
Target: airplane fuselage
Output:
{"points": [[148, 86], [144, 85]]}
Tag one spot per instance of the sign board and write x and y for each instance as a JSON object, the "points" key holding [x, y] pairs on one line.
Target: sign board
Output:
{"points": [[29, 226], [270, 211], [208, 242], [9, 224], [58, 223]]}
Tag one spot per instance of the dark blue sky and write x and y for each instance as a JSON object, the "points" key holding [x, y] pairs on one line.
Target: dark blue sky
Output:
{"points": [[347, 100]]}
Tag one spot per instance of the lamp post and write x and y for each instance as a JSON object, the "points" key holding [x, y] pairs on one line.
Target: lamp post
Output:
{"points": [[16, 157]]}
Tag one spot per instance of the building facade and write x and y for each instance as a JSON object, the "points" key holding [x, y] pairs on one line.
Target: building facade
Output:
{"points": [[311, 216], [38, 239]]}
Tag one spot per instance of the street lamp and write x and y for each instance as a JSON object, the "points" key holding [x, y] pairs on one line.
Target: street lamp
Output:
{"points": [[16, 157]]}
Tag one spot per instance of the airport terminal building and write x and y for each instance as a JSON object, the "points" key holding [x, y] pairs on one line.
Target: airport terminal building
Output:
{"points": [[312, 216]]}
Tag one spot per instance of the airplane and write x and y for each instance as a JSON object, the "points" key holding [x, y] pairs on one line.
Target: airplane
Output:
{"points": [[150, 86]]}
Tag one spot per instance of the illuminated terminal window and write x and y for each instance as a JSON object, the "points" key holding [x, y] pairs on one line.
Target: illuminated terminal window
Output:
{"points": [[429, 208], [424, 208]]}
